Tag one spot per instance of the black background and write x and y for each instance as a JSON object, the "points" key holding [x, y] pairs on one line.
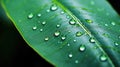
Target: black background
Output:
{"points": [[14, 52]]}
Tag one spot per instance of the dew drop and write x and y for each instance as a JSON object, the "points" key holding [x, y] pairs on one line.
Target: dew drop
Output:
{"points": [[68, 44], [53, 7], [43, 23], [103, 58], [92, 40], [41, 30], [74, 40], [67, 17], [119, 36], [89, 21], [62, 12], [58, 25], [76, 61], [70, 55], [82, 48], [72, 22], [30, 16], [34, 28], [78, 34], [106, 24], [113, 23], [48, 10], [39, 15], [63, 38], [116, 44], [46, 38], [57, 33]]}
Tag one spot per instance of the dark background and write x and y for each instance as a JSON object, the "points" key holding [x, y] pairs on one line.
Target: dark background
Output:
{"points": [[14, 52]]}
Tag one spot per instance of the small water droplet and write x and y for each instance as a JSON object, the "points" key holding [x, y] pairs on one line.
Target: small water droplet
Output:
{"points": [[62, 12], [92, 40], [113, 23], [57, 33], [63, 38], [58, 25], [78, 34], [41, 30], [34, 28], [106, 24], [119, 36], [70, 55], [89, 21], [48, 10], [116, 44], [92, 3], [76, 61], [39, 15], [68, 44], [43, 23], [46, 38], [72, 22], [67, 16], [53, 7], [74, 40], [30, 16], [82, 48], [103, 58]]}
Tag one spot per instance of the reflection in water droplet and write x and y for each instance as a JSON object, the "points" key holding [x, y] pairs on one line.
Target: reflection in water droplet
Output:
{"points": [[41, 30], [92, 40], [76, 61], [46, 38], [34, 28], [116, 44], [113, 23], [89, 21], [70, 55], [57, 33], [30, 16], [58, 25], [72, 22], [78, 34], [63, 38], [82, 48], [39, 15], [53, 7], [103, 58], [43, 23]]}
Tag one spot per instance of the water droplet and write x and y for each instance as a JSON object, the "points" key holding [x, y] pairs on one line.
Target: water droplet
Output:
{"points": [[103, 58], [116, 43], [46, 38], [39, 15], [58, 25], [106, 24], [78, 34], [82, 48], [48, 10], [119, 36], [63, 38], [41, 30], [67, 16], [62, 12], [43, 23], [53, 7], [113, 23], [89, 21], [30, 16], [68, 44], [72, 22], [70, 55], [34, 28], [74, 40], [57, 33], [92, 40], [76, 61]]}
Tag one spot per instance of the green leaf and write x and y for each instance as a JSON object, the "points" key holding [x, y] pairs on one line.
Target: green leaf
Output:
{"points": [[74, 33]]}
